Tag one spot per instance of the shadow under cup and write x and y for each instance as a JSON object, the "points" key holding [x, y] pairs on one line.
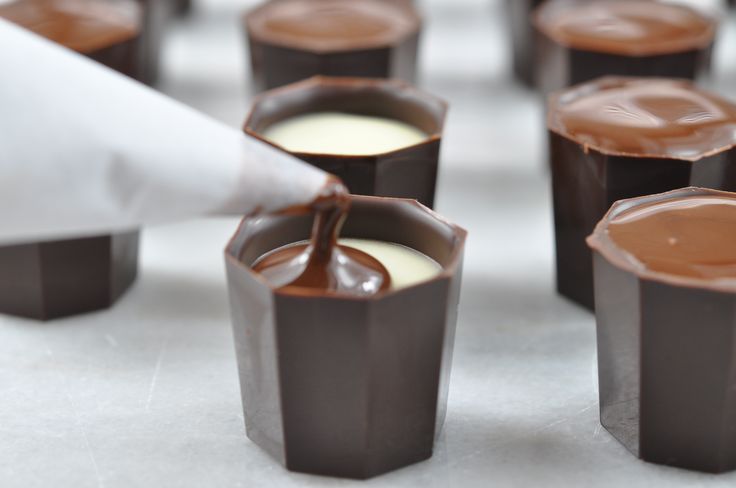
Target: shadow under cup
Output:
{"points": [[342, 385]]}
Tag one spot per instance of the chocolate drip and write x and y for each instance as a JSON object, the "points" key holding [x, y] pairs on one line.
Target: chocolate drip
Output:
{"points": [[321, 264]]}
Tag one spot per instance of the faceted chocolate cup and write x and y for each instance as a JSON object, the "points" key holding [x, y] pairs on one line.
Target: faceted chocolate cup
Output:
{"points": [[587, 181], [558, 66], [665, 356], [48, 280], [55, 279], [341, 385], [275, 64], [522, 39], [409, 172]]}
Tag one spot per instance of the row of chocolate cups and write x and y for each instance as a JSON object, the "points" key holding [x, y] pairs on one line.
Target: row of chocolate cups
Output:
{"points": [[286, 400]]}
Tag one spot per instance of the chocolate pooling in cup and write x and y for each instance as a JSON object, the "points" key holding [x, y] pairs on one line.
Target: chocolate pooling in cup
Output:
{"points": [[657, 118], [321, 265], [625, 27], [693, 237]]}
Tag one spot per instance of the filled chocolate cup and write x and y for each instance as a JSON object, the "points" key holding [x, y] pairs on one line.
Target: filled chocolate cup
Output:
{"points": [[665, 284], [106, 31], [618, 138], [53, 279], [341, 385], [580, 40], [522, 39], [405, 172], [291, 40]]}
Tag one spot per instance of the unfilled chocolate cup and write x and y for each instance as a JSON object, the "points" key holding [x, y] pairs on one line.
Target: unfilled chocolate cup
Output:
{"points": [[340, 385], [665, 354], [58, 278], [522, 39], [564, 60], [409, 172], [291, 40], [587, 180]]}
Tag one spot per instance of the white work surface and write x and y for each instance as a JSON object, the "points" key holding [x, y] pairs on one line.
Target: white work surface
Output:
{"points": [[146, 394]]}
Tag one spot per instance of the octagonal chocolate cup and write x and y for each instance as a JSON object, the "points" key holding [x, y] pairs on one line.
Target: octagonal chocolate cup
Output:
{"points": [[409, 172], [54, 279], [586, 181], [279, 58], [341, 385], [558, 65], [523, 39], [665, 356]]}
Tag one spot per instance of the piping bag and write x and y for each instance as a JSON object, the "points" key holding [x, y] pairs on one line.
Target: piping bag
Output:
{"points": [[87, 151]]}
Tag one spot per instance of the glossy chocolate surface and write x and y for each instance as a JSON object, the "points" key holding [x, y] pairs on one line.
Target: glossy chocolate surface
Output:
{"points": [[291, 40], [587, 181], [323, 266], [344, 385], [693, 237], [85, 26], [333, 25], [665, 351], [410, 172], [646, 117], [627, 27], [560, 64]]}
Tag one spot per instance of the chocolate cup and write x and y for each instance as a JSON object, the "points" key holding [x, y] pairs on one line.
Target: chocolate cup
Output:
{"points": [[409, 172], [665, 356], [48, 280], [274, 64], [586, 182], [342, 385], [522, 39], [55, 279], [559, 66], [154, 18]]}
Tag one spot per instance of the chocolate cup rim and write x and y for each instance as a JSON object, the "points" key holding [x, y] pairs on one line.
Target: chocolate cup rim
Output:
{"points": [[698, 42], [447, 272], [340, 82], [133, 27], [554, 100], [410, 10], [600, 242]]}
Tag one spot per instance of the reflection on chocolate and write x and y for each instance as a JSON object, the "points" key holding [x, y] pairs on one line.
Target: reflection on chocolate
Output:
{"points": [[658, 118], [665, 331], [629, 27], [580, 40], [407, 172], [618, 138], [85, 26], [322, 265], [693, 237], [291, 40]]}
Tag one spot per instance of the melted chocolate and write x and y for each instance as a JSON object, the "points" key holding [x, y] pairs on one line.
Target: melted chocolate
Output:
{"points": [[646, 117], [322, 265], [629, 27], [332, 24], [84, 26], [693, 236]]}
